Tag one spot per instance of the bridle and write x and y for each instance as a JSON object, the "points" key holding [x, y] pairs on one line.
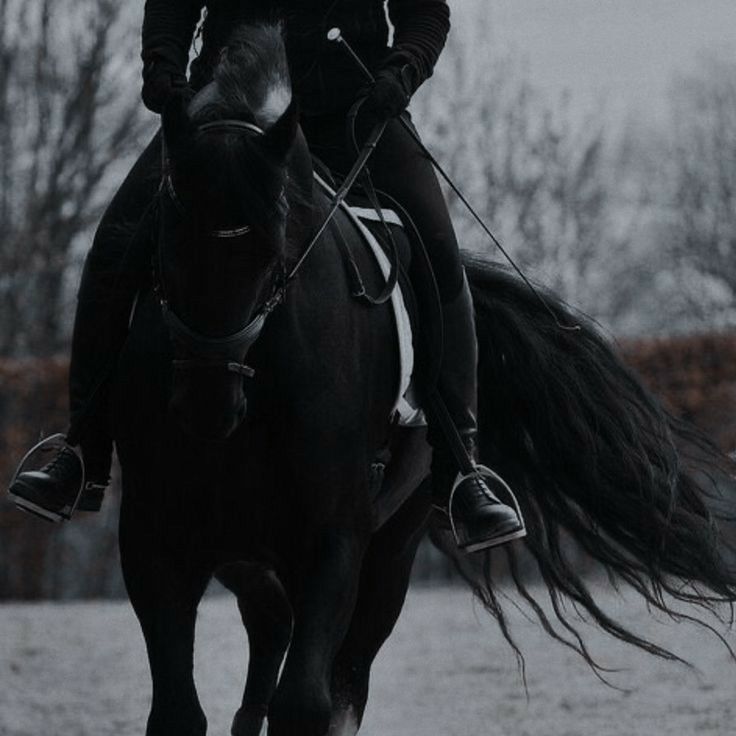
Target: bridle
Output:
{"points": [[237, 343], [243, 339], [235, 232]]}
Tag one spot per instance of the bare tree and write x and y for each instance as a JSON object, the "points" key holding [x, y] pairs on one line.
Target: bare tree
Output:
{"points": [[701, 187], [70, 121], [638, 230], [68, 111], [544, 183]]}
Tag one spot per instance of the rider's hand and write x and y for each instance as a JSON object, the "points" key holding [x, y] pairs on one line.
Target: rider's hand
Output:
{"points": [[389, 95], [162, 81]]}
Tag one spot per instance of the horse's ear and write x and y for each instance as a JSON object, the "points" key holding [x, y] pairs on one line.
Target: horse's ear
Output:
{"points": [[175, 120], [279, 137]]}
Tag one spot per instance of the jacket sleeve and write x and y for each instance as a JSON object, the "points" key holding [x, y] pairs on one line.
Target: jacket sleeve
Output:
{"points": [[168, 29], [420, 31]]}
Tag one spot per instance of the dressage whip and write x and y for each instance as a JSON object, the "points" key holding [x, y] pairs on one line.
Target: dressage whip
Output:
{"points": [[335, 35], [341, 193]]}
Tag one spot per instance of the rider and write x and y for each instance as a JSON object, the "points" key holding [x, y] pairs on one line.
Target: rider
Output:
{"points": [[326, 84]]}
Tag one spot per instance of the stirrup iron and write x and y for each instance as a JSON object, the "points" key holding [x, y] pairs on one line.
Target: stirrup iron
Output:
{"points": [[485, 472], [55, 442]]}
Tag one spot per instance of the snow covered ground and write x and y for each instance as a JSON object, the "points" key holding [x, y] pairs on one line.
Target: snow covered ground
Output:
{"points": [[80, 670]]}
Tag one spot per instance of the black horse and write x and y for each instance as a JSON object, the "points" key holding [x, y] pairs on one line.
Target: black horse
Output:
{"points": [[265, 474]]}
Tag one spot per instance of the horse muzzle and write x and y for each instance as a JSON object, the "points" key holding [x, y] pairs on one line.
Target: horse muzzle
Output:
{"points": [[208, 395]]}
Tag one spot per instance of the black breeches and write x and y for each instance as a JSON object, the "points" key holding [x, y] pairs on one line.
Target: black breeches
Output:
{"points": [[106, 294], [402, 171]]}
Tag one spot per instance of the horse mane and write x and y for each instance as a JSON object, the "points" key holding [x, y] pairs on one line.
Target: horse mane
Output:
{"points": [[230, 171]]}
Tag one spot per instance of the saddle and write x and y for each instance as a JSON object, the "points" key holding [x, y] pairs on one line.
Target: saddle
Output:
{"points": [[381, 244]]}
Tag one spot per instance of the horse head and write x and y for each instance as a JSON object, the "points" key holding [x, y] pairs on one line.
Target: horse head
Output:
{"points": [[222, 243]]}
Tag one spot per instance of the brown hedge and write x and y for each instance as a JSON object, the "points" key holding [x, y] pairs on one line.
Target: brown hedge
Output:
{"points": [[37, 559], [695, 376]]}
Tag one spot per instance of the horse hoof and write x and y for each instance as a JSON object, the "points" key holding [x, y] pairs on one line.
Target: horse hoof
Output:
{"points": [[250, 721], [302, 717]]}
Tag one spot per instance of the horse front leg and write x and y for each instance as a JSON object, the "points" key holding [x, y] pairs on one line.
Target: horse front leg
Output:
{"points": [[384, 581], [167, 619], [325, 599], [267, 617], [165, 592]]}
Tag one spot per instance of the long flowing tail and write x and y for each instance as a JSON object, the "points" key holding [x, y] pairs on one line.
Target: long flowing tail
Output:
{"points": [[594, 457]]}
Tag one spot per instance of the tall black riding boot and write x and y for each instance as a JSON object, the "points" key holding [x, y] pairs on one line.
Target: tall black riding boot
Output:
{"points": [[78, 474], [479, 503]]}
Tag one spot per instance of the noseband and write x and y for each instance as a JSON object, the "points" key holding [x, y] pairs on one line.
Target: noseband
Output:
{"points": [[240, 342]]}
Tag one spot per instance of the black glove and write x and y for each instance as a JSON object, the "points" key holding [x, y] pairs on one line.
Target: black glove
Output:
{"points": [[389, 95], [162, 81]]}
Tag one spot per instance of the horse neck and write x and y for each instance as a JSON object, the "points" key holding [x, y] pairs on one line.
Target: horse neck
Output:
{"points": [[303, 213]]}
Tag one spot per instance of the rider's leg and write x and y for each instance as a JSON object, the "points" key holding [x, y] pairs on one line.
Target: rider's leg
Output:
{"points": [[105, 297], [399, 168]]}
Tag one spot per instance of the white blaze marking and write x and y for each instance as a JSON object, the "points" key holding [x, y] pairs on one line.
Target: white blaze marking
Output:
{"points": [[274, 105]]}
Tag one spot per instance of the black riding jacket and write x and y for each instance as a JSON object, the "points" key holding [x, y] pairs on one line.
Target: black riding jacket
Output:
{"points": [[323, 77]]}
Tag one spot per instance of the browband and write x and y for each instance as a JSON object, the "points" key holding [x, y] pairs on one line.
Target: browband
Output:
{"points": [[235, 125]]}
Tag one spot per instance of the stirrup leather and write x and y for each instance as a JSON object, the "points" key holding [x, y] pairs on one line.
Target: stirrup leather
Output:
{"points": [[57, 442], [485, 472]]}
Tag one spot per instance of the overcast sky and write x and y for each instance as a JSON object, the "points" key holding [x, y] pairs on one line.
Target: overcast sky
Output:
{"points": [[622, 51]]}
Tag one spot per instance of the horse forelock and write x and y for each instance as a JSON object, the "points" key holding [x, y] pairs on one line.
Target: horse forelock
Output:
{"points": [[252, 75], [250, 83]]}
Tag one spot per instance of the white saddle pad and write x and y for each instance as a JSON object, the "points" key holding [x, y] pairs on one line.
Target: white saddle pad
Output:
{"points": [[405, 405]]}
